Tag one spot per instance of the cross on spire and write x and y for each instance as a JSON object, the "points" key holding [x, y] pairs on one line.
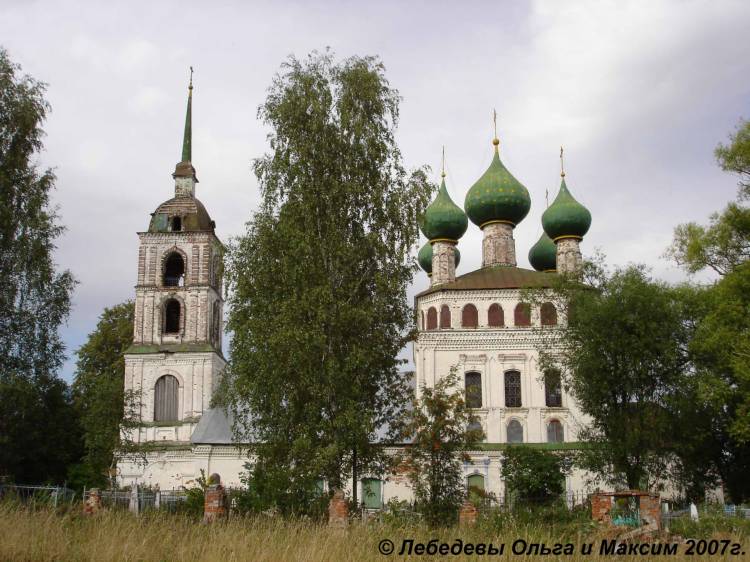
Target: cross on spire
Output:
{"points": [[495, 140], [442, 173]]}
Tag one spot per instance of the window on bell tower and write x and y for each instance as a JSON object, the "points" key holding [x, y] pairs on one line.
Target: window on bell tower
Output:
{"points": [[172, 313], [174, 270]]}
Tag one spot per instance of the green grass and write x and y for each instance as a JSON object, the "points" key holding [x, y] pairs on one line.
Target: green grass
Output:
{"points": [[48, 535]]}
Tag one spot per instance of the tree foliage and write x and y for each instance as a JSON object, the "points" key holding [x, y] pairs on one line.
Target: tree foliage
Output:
{"points": [[98, 390], [319, 310], [533, 476], [725, 242], [440, 430], [623, 353], [37, 426]]}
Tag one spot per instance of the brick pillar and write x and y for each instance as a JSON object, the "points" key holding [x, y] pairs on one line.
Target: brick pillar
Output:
{"points": [[601, 505], [467, 515], [93, 503], [650, 508], [215, 500], [338, 510], [443, 262]]}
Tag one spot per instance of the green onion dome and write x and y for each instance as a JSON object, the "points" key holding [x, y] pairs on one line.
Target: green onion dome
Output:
{"points": [[424, 257], [566, 217], [497, 196], [443, 219], [543, 254]]}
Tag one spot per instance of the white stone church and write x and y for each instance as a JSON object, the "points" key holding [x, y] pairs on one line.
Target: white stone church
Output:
{"points": [[475, 322]]}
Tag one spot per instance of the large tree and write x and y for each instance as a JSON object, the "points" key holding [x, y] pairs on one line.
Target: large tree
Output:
{"points": [[720, 348], [623, 355], [319, 311], [98, 391], [37, 438]]}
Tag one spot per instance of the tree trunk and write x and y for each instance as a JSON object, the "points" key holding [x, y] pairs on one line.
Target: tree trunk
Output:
{"points": [[354, 477]]}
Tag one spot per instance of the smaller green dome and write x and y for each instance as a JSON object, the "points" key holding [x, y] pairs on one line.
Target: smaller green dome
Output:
{"points": [[443, 218], [424, 257], [543, 254], [566, 217], [497, 196]]}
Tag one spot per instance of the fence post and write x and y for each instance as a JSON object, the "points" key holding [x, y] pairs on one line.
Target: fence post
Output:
{"points": [[157, 498], [134, 500]]}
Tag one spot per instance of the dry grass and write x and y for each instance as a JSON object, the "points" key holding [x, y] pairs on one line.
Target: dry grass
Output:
{"points": [[45, 535]]}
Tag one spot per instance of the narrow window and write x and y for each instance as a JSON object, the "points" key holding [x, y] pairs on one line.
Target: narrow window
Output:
{"points": [[522, 314], [445, 316], [469, 316], [176, 224], [555, 432], [495, 317], [473, 383], [371, 496], [432, 318], [165, 399], [174, 270], [515, 432], [552, 389], [172, 317], [548, 314], [512, 389], [421, 320]]}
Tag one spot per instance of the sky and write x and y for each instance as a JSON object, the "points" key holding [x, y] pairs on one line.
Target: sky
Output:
{"points": [[638, 92]]}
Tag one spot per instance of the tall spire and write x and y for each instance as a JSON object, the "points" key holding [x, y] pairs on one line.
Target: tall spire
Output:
{"points": [[184, 173], [187, 139]]}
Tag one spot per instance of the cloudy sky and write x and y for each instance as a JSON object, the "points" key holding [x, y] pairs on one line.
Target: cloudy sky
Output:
{"points": [[639, 92]]}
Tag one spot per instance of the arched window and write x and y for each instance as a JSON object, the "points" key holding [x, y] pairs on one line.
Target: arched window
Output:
{"points": [[522, 314], [476, 426], [469, 316], [473, 383], [512, 389], [548, 314], [555, 432], [475, 484], [432, 318], [165, 399], [445, 316], [174, 270], [515, 432], [172, 313], [371, 496], [495, 316], [552, 389]]}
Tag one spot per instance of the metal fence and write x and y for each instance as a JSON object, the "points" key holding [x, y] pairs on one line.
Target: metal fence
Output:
{"points": [[141, 499], [43, 495]]}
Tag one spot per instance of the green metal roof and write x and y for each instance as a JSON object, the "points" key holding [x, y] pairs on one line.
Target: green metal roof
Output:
{"points": [[496, 277], [566, 216], [443, 218], [543, 254], [497, 196]]}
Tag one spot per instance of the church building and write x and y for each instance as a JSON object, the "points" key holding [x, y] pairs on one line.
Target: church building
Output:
{"points": [[477, 323]]}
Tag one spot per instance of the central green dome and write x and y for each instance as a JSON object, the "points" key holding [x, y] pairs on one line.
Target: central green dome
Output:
{"points": [[543, 254], [424, 257], [497, 196], [443, 219], [566, 217]]}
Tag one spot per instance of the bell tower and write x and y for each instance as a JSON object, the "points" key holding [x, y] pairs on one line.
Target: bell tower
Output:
{"points": [[176, 359]]}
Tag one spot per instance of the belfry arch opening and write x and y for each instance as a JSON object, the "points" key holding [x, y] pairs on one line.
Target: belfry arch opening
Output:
{"points": [[174, 270]]}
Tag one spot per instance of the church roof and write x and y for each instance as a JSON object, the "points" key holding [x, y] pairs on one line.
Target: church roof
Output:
{"points": [[214, 428], [495, 277], [195, 218]]}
